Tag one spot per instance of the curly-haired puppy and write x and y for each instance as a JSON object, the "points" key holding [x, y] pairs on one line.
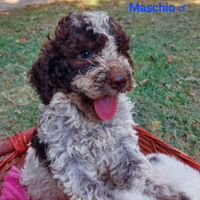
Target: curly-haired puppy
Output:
{"points": [[85, 146]]}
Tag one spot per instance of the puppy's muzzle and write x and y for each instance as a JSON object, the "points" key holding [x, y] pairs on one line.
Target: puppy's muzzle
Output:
{"points": [[118, 81]]}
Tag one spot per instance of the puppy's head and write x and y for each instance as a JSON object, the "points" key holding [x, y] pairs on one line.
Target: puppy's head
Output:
{"points": [[88, 60]]}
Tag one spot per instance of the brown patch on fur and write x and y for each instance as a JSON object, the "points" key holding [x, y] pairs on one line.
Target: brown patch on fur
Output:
{"points": [[154, 160], [121, 38], [163, 192], [84, 104], [40, 149]]}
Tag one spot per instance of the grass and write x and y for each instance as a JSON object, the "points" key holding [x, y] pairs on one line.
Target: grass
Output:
{"points": [[165, 48]]}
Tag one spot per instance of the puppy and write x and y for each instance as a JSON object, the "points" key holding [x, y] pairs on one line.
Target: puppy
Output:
{"points": [[85, 145]]}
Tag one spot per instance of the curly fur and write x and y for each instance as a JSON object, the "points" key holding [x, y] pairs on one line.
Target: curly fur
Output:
{"points": [[175, 173], [169, 179], [74, 153], [84, 154]]}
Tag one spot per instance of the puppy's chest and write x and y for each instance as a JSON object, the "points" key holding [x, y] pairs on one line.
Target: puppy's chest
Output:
{"points": [[96, 144]]}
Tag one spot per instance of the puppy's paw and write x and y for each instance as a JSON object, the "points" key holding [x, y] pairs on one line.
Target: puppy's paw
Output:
{"points": [[124, 177]]}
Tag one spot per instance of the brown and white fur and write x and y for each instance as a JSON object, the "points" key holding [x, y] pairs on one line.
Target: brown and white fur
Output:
{"points": [[167, 176], [74, 153]]}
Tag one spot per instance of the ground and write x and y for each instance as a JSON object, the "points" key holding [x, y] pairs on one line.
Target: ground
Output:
{"points": [[165, 48]]}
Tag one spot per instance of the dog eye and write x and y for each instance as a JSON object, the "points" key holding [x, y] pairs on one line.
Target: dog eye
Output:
{"points": [[85, 54]]}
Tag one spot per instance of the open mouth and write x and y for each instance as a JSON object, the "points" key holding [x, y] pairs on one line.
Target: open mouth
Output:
{"points": [[105, 107]]}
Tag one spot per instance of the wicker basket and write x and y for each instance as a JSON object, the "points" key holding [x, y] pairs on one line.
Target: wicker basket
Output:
{"points": [[13, 149]]}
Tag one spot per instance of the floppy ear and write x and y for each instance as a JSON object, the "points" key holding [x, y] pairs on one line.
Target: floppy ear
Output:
{"points": [[122, 39], [49, 72], [39, 78]]}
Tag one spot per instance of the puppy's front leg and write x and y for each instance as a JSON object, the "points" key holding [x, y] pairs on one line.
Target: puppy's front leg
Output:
{"points": [[79, 182], [128, 165]]}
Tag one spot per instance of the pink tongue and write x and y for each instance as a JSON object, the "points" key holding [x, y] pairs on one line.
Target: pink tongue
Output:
{"points": [[105, 107]]}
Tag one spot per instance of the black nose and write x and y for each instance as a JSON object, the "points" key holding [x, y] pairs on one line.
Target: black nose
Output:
{"points": [[117, 81]]}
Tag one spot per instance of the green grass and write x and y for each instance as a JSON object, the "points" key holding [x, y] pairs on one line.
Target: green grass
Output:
{"points": [[165, 48]]}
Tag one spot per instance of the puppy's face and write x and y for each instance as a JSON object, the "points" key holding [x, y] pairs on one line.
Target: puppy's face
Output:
{"points": [[88, 60]]}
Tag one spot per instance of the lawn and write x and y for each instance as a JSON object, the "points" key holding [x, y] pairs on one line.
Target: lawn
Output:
{"points": [[165, 48]]}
